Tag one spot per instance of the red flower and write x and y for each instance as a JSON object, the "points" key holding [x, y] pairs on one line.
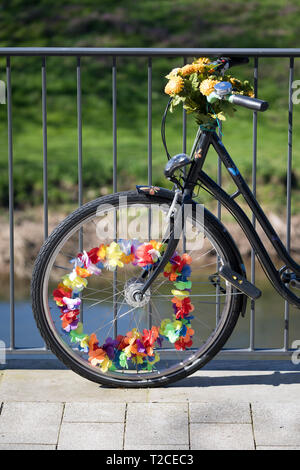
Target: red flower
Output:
{"points": [[69, 317], [185, 341], [143, 255], [181, 344], [184, 307], [92, 254], [60, 292], [185, 259], [123, 342], [150, 336]]}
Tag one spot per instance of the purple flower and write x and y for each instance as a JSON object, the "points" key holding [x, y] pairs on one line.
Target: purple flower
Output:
{"points": [[140, 346], [109, 347], [71, 326]]}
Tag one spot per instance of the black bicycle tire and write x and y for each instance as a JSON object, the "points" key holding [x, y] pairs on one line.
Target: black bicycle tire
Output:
{"points": [[213, 226]]}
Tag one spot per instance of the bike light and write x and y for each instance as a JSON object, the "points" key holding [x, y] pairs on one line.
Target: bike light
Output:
{"points": [[223, 88]]}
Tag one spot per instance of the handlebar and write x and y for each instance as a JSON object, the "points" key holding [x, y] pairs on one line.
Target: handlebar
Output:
{"points": [[234, 61], [248, 102], [224, 63], [223, 91]]}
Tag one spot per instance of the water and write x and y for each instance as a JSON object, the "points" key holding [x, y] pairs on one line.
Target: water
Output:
{"points": [[269, 323]]}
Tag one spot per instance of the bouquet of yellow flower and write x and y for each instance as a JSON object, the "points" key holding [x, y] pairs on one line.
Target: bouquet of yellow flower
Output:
{"points": [[192, 83]]}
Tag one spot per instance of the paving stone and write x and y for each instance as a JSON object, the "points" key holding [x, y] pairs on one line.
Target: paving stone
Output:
{"points": [[156, 423], [94, 412], [91, 436], [206, 436], [223, 385], [220, 412], [277, 448], [61, 386], [158, 447], [276, 424], [30, 423], [27, 447]]}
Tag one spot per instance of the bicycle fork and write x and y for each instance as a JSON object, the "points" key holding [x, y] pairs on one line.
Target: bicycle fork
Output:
{"points": [[176, 226]]}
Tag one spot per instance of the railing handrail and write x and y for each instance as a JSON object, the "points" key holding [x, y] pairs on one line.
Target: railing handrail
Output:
{"points": [[147, 51]]}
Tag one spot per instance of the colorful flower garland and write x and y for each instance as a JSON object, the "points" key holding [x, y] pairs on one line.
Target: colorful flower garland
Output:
{"points": [[135, 347]]}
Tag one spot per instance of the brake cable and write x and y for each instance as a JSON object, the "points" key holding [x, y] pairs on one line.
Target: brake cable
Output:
{"points": [[163, 127]]}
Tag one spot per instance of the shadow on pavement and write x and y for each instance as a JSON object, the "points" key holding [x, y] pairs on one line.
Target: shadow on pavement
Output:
{"points": [[275, 379]]}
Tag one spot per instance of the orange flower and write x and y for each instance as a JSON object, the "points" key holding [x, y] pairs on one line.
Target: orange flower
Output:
{"points": [[101, 253], [126, 259], [174, 86], [93, 342], [82, 272]]}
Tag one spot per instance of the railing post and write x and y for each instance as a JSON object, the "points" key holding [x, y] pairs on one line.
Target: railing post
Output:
{"points": [[254, 168], [289, 192], [45, 146], [11, 206], [114, 110]]}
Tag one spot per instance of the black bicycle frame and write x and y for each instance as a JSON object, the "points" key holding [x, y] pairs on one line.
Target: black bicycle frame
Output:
{"points": [[195, 177]]}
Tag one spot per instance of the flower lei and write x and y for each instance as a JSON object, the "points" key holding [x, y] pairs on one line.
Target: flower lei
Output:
{"points": [[135, 347], [191, 85]]}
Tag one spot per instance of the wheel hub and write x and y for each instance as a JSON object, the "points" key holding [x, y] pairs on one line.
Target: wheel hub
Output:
{"points": [[133, 293]]}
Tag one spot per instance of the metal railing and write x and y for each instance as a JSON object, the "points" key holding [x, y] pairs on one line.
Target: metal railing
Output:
{"points": [[148, 54]]}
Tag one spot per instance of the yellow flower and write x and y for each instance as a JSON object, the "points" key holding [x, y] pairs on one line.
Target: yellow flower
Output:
{"points": [[251, 94], [235, 81], [173, 73], [113, 255], [207, 86], [105, 364], [174, 86], [74, 282], [199, 67], [202, 61], [180, 294], [188, 69], [156, 245]]}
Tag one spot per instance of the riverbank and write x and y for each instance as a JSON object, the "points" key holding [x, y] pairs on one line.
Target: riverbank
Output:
{"points": [[29, 236]]}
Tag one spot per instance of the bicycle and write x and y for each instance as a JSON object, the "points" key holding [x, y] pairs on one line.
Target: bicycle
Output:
{"points": [[112, 328]]}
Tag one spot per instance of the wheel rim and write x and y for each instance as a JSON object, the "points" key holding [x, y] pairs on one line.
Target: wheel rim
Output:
{"points": [[157, 306]]}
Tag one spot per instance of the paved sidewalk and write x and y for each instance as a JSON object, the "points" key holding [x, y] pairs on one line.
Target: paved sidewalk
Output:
{"points": [[213, 409]]}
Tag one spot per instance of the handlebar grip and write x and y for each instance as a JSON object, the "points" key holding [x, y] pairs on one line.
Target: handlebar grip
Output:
{"points": [[237, 61], [233, 61], [250, 103]]}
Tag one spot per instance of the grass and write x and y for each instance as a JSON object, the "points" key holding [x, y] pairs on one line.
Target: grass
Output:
{"points": [[186, 23]]}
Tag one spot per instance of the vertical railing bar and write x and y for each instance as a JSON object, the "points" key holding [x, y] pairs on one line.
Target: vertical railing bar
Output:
{"points": [[79, 133], [114, 103], [45, 147], [11, 206], [184, 129], [289, 192], [149, 117], [45, 150], [114, 106], [254, 171], [79, 157], [219, 215]]}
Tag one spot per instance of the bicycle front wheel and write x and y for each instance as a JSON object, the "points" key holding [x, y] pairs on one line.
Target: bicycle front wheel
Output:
{"points": [[86, 292]]}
